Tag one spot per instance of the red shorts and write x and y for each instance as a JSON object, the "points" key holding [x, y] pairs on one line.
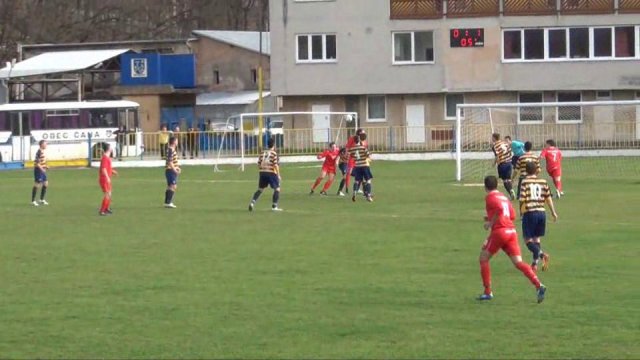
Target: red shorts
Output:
{"points": [[505, 239], [329, 169], [554, 173], [105, 185]]}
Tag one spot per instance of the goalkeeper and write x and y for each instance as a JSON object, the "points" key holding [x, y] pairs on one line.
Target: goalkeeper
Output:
{"points": [[517, 149]]}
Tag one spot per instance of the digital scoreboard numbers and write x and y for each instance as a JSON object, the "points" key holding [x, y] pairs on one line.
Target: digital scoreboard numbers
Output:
{"points": [[466, 37]]}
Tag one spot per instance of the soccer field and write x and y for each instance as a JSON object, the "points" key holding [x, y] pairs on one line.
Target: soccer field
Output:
{"points": [[326, 278]]}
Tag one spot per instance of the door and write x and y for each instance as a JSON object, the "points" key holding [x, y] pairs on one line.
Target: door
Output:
{"points": [[603, 118], [321, 124], [415, 123]]}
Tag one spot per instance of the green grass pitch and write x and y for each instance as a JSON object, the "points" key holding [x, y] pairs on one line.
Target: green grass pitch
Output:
{"points": [[326, 278]]}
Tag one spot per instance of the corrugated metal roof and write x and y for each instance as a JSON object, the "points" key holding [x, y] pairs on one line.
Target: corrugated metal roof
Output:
{"points": [[229, 98], [249, 40], [69, 105], [59, 62]]}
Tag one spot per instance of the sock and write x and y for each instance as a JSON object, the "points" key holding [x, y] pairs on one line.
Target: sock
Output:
{"points": [[558, 184], [528, 272], [43, 192], [485, 272], [367, 189], [34, 191], [508, 186], [327, 185], [170, 196], [256, 195], [276, 197], [535, 250], [341, 185], [105, 204], [108, 204], [166, 196], [315, 184], [356, 187]]}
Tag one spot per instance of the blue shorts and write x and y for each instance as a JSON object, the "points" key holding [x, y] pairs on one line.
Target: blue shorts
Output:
{"points": [[362, 173], [534, 224], [343, 168], [39, 176], [172, 177], [268, 179], [504, 171], [514, 160]]}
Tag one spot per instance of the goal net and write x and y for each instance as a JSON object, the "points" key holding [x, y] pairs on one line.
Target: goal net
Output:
{"points": [[295, 133], [597, 138]]}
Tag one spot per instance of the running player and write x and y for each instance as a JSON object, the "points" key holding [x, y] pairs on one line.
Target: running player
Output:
{"points": [[350, 143], [330, 157], [553, 157], [40, 175], [342, 165], [502, 151], [517, 149], [361, 171], [499, 219], [104, 178], [171, 172], [268, 163], [521, 165], [534, 194]]}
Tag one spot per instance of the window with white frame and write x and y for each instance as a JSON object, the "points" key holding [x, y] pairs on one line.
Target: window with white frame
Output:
{"points": [[569, 114], [376, 108], [530, 114], [571, 43], [414, 47], [450, 103], [316, 48]]}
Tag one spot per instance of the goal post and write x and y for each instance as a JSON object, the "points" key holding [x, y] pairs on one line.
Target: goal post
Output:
{"points": [[598, 138], [295, 133]]}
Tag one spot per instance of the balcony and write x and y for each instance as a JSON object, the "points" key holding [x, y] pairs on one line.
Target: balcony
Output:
{"points": [[529, 7], [629, 6], [575, 7], [416, 9], [472, 8]]}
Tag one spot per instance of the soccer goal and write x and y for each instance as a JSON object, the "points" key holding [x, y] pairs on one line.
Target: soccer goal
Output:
{"points": [[597, 138], [294, 133]]}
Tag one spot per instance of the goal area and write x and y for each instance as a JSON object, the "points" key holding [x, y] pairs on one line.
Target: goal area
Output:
{"points": [[597, 138], [295, 133]]}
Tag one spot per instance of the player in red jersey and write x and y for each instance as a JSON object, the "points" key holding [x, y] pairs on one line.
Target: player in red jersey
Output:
{"points": [[105, 174], [500, 216], [330, 156], [352, 163], [553, 158]]}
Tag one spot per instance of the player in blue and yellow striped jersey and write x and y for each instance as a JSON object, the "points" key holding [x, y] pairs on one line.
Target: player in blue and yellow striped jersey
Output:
{"points": [[502, 151], [361, 171], [521, 166], [268, 164], [534, 195], [171, 172], [40, 168]]}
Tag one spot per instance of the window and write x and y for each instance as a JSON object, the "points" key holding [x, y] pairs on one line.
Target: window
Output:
{"points": [[512, 44], [413, 47], [557, 43], [625, 42], [569, 114], [534, 44], [450, 102], [602, 42], [216, 76], [579, 43], [530, 114], [571, 44], [603, 95], [316, 48], [254, 76], [376, 108]]}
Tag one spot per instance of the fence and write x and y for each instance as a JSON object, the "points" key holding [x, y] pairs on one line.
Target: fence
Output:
{"points": [[398, 139]]}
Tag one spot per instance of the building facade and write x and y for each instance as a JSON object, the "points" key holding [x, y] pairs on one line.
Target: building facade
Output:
{"points": [[410, 62]]}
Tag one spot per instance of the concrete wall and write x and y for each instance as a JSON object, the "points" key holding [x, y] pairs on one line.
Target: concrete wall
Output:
{"points": [[364, 54], [234, 65]]}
